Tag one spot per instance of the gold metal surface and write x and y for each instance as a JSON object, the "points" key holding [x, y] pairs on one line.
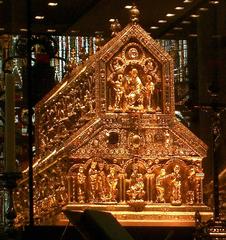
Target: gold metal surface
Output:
{"points": [[107, 138]]}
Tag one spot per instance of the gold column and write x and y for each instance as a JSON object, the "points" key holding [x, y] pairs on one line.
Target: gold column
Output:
{"points": [[120, 187], [149, 177], [151, 187], [69, 187], [199, 187], [124, 187], [148, 187], [74, 188]]}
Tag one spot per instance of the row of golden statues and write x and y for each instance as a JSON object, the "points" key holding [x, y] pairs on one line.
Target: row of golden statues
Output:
{"points": [[97, 182], [101, 183]]}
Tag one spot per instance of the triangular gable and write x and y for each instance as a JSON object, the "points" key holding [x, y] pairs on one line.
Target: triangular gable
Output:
{"points": [[134, 31]]}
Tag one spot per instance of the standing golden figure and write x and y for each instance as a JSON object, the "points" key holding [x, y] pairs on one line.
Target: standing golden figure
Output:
{"points": [[112, 180], [190, 196], [92, 178], [160, 186], [101, 184], [81, 181], [176, 186]]}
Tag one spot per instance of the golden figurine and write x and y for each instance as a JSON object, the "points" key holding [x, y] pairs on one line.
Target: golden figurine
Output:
{"points": [[134, 91], [81, 180], [160, 186], [153, 81], [190, 196], [116, 80], [89, 100], [112, 180], [119, 90], [92, 178], [115, 27], [149, 92], [176, 186], [101, 183], [167, 138], [136, 184]]}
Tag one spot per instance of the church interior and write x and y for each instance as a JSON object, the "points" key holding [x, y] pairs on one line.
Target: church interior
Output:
{"points": [[112, 119]]}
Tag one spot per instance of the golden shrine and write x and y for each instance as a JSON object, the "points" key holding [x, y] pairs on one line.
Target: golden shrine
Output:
{"points": [[107, 138]]}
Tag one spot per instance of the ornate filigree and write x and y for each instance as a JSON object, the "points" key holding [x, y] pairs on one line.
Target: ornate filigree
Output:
{"points": [[134, 83], [55, 119]]}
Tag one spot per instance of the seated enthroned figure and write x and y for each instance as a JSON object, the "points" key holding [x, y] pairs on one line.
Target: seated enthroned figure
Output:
{"points": [[134, 91]]}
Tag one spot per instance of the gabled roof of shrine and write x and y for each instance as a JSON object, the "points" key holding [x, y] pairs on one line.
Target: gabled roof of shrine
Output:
{"points": [[79, 136], [131, 31]]}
